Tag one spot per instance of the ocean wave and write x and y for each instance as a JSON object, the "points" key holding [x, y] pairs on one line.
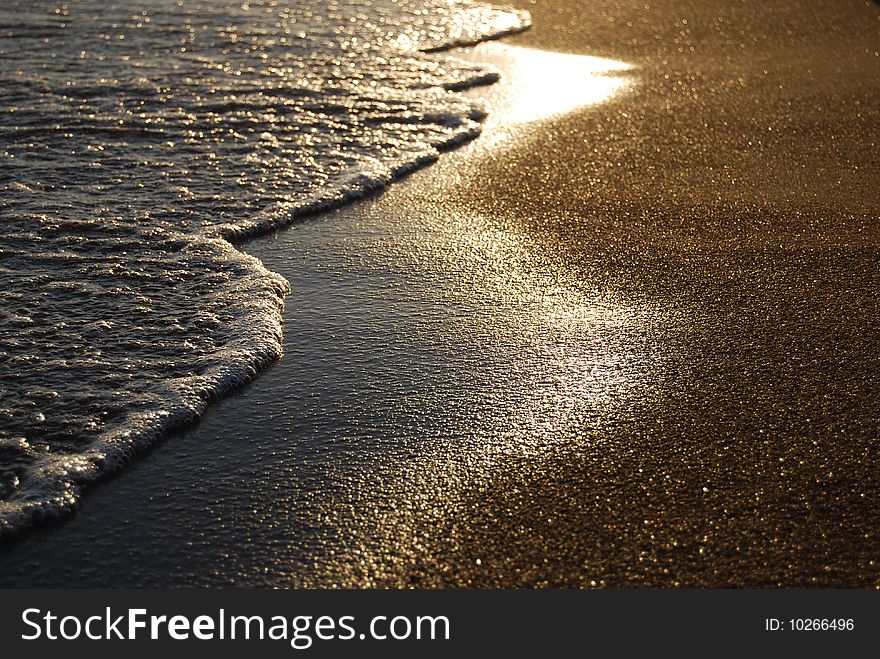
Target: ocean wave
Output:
{"points": [[138, 145]]}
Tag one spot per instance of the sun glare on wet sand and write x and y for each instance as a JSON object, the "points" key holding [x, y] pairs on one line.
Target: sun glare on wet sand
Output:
{"points": [[538, 84]]}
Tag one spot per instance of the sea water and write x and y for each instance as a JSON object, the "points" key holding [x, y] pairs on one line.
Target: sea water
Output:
{"points": [[138, 143]]}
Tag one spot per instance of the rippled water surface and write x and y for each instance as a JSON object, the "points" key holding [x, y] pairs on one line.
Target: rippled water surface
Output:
{"points": [[136, 141]]}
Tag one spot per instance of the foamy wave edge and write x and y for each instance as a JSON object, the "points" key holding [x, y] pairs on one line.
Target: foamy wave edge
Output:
{"points": [[55, 488]]}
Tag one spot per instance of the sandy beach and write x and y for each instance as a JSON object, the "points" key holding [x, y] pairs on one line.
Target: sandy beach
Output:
{"points": [[626, 342]]}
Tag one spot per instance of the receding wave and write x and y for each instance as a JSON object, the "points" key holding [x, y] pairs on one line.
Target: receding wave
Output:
{"points": [[138, 143]]}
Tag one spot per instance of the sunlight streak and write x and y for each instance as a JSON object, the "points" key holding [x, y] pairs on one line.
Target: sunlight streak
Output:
{"points": [[538, 84]]}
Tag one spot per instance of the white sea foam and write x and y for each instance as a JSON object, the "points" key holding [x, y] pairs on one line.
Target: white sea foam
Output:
{"points": [[137, 142]]}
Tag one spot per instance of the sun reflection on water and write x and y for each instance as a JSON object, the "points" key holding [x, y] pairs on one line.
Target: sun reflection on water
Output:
{"points": [[570, 349]]}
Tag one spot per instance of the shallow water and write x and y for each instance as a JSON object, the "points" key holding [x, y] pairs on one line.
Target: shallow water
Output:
{"points": [[134, 143]]}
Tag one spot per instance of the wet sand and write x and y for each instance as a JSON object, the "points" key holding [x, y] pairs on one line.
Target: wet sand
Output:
{"points": [[736, 188], [630, 344]]}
